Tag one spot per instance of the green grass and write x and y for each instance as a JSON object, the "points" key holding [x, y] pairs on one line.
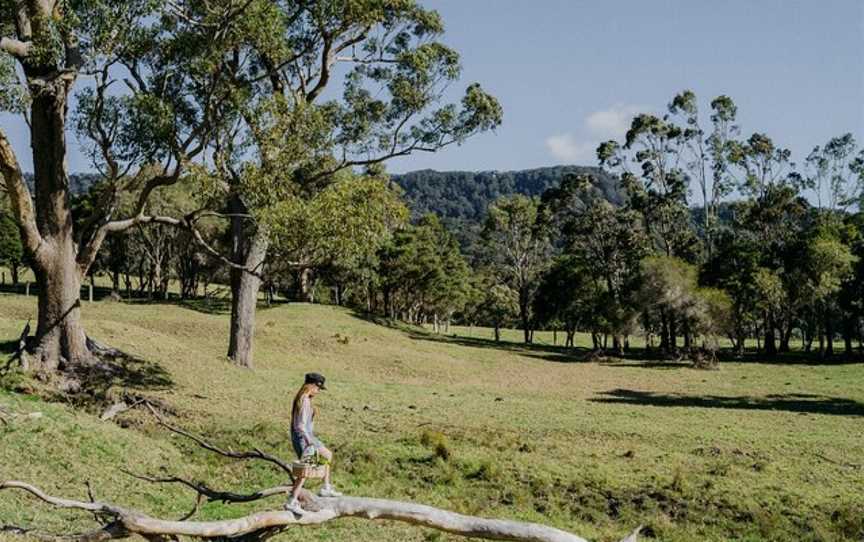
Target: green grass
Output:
{"points": [[753, 451]]}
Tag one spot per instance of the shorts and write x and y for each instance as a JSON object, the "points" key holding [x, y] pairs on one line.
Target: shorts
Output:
{"points": [[300, 443]]}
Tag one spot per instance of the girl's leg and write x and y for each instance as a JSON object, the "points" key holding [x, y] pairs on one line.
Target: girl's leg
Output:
{"points": [[298, 485], [328, 455]]}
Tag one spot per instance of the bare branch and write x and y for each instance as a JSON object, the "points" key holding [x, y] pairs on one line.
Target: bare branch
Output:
{"points": [[212, 494], [254, 454]]}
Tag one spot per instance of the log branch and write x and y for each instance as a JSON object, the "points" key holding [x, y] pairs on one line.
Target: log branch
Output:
{"points": [[254, 454], [129, 521], [211, 494]]}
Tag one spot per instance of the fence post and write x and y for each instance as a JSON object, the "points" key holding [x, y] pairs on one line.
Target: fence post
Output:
{"points": [[27, 289], [90, 291]]}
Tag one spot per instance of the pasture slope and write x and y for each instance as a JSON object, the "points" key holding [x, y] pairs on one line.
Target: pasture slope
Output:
{"points": [[753, 451]]}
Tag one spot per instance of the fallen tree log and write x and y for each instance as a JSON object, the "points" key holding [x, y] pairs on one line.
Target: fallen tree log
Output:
{"points": [[123, 522]]}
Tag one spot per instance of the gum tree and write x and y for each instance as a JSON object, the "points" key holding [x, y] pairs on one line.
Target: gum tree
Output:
{"points": [[46, 46], [320, 87]]}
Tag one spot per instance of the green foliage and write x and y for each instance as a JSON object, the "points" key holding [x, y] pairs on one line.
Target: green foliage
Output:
{"points": [[13, 95], [344, 223], [658, 188], [670, 289], [422, 272], [11, 250], [516, 233]]}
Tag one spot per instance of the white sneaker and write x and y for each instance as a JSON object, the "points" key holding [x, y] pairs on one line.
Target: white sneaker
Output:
{"points": [[294, 506], [328, 492]]}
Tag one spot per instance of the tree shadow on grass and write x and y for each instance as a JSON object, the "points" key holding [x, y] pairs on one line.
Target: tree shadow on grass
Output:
{"points": [[558, 354], [113, 377], [8, 347], [789, 402]]}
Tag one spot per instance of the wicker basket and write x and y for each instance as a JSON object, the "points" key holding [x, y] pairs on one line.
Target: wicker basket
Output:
{"points": [[308, 470]]}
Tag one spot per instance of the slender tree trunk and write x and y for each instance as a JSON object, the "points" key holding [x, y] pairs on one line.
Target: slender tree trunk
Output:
{"points": [[523, 315], [304, 285], [497, 333], [244, 300], [664, 331], [785, 337], [245, 287], [688, 338], [848, 331], [673, 332], [770, 341], [829, 335], [14, 269]]}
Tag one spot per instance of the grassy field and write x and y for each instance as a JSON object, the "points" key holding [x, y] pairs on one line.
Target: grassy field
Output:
{"points": [[753, 451]]}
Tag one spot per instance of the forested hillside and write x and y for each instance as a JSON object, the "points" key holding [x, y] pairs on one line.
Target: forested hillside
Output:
{"points": [[465, 195]]}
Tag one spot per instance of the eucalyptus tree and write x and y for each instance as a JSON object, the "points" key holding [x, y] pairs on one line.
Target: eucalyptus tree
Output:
{"points": [[293, 128], [517, 239], [835, 173], [706, 156], [607, 242], [422, 273], [343, 226], [568, 296], [164, 72], [658, 186]]}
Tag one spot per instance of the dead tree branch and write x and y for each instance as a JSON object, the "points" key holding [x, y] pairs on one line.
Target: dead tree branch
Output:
{"points": [[254, 454], [127, 522]]}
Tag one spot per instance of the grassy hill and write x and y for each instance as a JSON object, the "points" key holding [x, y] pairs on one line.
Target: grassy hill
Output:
{"points": [[749, 452]]}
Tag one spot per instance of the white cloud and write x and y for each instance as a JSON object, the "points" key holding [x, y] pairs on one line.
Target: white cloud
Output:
{"points": [[565, 148], [612, 123], [598, 126]]}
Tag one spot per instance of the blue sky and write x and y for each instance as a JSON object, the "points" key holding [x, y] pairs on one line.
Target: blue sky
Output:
{"points": [[570, 73]]}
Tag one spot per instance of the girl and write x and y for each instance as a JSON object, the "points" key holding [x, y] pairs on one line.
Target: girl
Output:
{"points": [[306, 444]]}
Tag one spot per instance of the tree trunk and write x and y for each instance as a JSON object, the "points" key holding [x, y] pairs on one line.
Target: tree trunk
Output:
{"points": [[60, 336], [770, 342], [848, 331], [829, 335], [497, 333], [245, 286], [14, 269], [664, 331], [304, 285], [59, 332], [785, 337]]}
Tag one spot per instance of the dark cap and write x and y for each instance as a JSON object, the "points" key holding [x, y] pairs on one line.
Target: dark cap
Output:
{"points": [[315, 378]]}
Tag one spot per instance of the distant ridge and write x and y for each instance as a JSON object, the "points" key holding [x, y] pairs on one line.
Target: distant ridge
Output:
{"points": [[464, 196]]}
